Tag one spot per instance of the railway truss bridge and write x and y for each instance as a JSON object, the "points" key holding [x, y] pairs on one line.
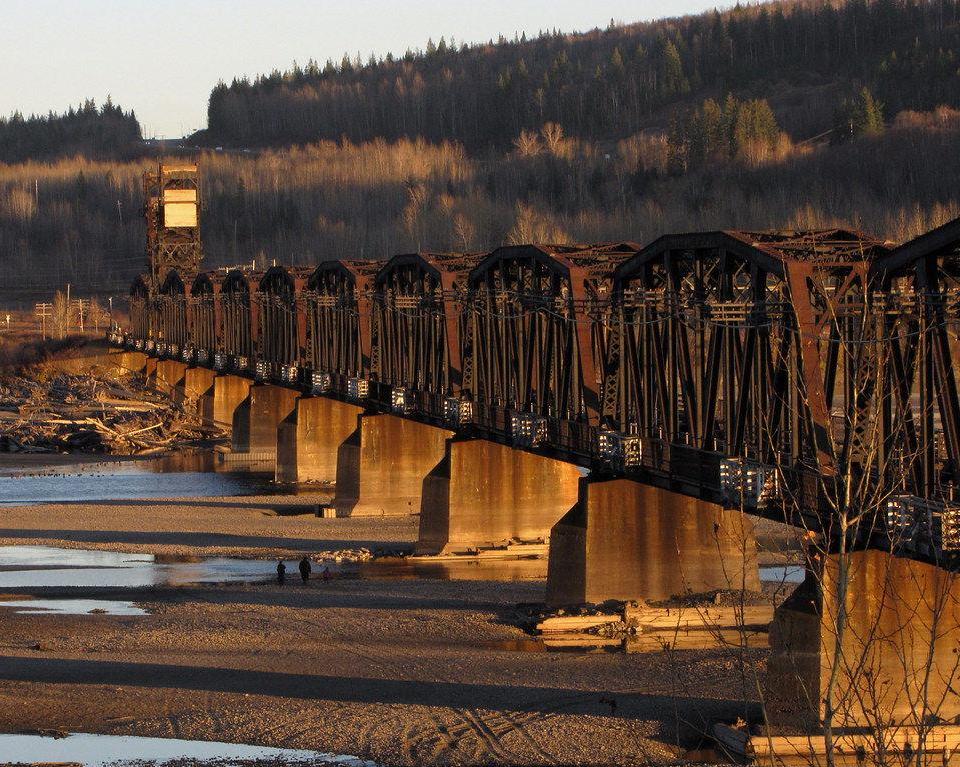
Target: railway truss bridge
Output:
{"points": [[637, 407]]}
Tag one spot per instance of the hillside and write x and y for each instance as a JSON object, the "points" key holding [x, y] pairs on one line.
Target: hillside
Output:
{"points": [[600, 158], [62, 222], [104, 132], [803, 57]]}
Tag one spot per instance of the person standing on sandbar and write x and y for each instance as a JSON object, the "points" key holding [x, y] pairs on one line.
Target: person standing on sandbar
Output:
{"points": [[305, 569]]}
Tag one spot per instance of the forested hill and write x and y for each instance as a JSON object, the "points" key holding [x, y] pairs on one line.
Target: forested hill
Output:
{"points": [[803, 57], [106, 132]]}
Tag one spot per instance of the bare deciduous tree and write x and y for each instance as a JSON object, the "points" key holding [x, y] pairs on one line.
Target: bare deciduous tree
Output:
{"points": [[60, 314], [413, 213], [464, 231]]}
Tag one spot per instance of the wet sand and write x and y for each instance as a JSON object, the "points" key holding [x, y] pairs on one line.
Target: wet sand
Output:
{"points": [[399, 671]]}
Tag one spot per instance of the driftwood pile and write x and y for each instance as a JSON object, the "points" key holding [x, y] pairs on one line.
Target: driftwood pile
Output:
{"points": [[85, 413]]}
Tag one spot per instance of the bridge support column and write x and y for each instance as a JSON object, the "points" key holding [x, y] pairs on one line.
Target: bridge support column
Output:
{"points": [[382, 466], [897, 659], [170, 378], [150, 371], [230, 395], [198, 385], [624, 540], [309, 439], [485, 494], [130, 362], [257, 419]]}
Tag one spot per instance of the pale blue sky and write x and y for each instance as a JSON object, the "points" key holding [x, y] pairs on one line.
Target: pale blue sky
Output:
{"points": [[162, 57]]}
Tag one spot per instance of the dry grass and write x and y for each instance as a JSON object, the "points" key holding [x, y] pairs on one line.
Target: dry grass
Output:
{"points": [[78, 221]]}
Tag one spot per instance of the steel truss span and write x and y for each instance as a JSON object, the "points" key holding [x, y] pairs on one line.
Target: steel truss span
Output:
{"points": [[766, 370]]}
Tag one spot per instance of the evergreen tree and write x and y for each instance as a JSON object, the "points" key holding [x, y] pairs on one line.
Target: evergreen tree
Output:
{"points": [[861, 116]]}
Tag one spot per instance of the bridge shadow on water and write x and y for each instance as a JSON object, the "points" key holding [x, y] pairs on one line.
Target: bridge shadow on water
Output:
{"points": [[683, 715]]}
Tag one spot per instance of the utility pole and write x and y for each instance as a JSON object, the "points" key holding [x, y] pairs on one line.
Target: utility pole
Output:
{"points": [[43, 311], [81, 307]]}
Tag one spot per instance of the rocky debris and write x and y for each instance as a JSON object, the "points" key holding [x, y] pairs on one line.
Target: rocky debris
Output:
{"points": [[63, 413], [342, 555], [625, 619]]}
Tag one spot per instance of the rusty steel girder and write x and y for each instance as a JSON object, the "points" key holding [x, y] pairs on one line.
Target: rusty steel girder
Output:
{"points": [[204, 315], [282, 323], [535, 331], [416, 332], [241, 322], [918, 298], [171, 310], [338, 298], [728, 345]]}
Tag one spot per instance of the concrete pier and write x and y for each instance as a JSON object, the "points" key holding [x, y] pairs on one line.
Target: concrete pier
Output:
{"points": [[150, 371], [382, 466], [258, 417], [896, 658], [625, 540], [309, 439], [230, 394], [125, 362], [198, 385], [485, 494], [170, 378]]}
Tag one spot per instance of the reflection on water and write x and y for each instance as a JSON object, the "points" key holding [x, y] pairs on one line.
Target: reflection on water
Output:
{"points": [[97, 750], [179, 475], [652, 642], [38, 566], [49, 566], [52, 567], [469, 569], [73, 607]]}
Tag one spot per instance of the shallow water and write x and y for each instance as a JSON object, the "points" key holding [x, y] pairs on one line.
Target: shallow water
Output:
{"points": [[783, 574], [72, 607], [48, 566], [129, 481], [97, 750]]}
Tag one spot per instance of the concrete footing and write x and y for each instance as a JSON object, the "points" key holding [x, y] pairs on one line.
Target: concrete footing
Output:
{"points": [[125, 362], [382, 466], [230, 395], [624, 540], [258, 417], [896, 658], [309, 439], [485, 494]]}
